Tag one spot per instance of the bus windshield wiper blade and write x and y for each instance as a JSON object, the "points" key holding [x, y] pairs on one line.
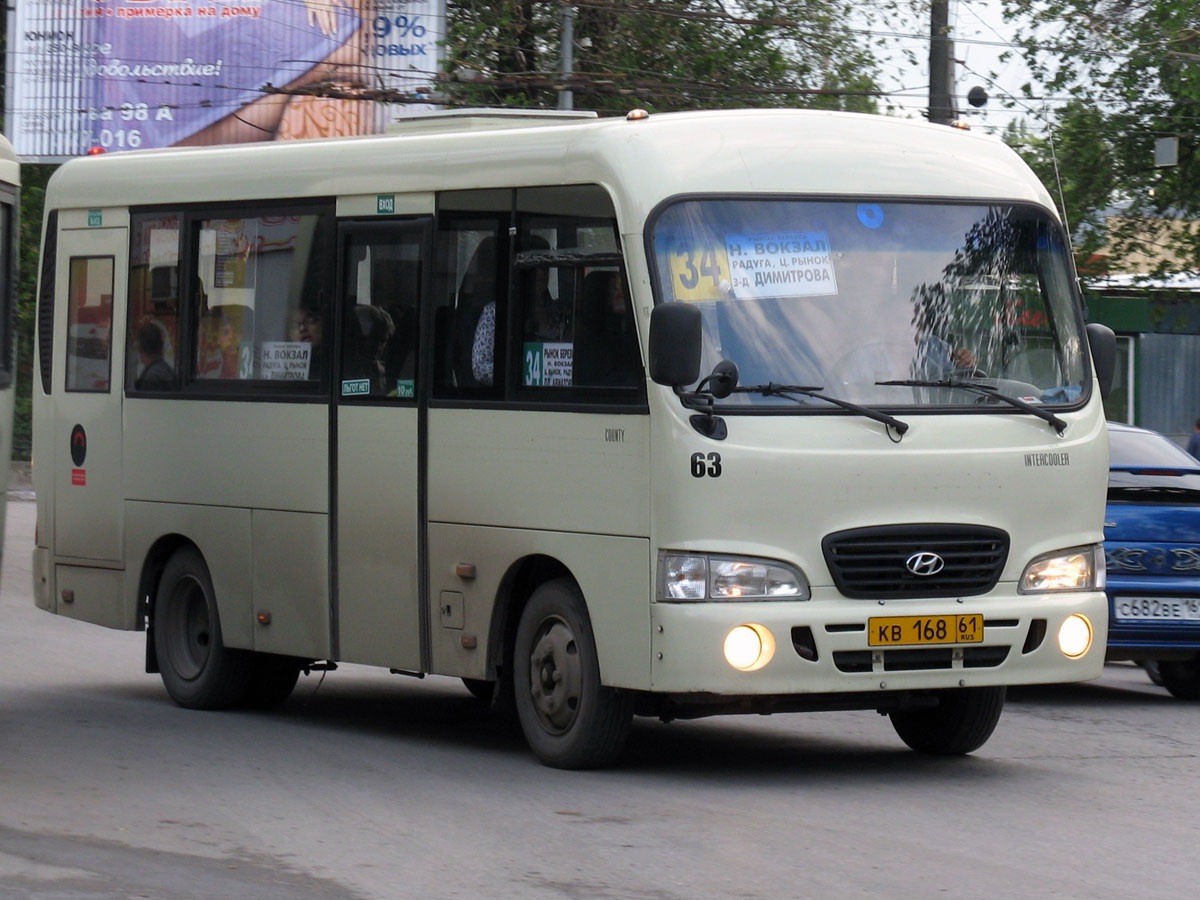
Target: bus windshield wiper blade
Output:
{"points": [[986, 390], [794, 391]]}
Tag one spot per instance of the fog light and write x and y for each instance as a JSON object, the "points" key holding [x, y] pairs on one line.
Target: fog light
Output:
{"points": [[1075, 636], [749, 647]]}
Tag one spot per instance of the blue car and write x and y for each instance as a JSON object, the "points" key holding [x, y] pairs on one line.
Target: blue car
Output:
{"points": [[1152, 548]]}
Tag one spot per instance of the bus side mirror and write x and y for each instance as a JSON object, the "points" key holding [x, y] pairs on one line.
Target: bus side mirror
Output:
{"points": [[1104, 355], [675, 335]]}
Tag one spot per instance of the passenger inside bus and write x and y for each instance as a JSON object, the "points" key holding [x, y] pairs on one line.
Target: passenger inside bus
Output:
{"points": [[400, 354], [157, 374], [475, 318], [547, 317], [483, 346], [395, 287], [606, 349], [308, 327], [367, 334]]}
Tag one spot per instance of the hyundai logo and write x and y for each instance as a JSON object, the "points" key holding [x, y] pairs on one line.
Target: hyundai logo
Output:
{"points": [[924, 564]]}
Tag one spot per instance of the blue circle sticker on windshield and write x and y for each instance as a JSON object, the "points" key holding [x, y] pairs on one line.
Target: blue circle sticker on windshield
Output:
{"points": [[870, 214]]}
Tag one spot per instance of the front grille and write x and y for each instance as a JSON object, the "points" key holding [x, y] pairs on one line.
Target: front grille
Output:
{"points": [[870, 563], [917, 660]]}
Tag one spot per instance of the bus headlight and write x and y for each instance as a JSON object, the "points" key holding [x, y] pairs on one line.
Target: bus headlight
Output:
{"points": [[1075, 636], [703, 577], [1076, 569], [749, 647]]}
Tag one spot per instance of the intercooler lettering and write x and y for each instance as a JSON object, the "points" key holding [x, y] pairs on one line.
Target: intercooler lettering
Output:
{"points": [[1037, 460]]}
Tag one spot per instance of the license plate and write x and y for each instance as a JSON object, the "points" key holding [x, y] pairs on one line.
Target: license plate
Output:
{"points": [[897, 631], [1160, 609]]}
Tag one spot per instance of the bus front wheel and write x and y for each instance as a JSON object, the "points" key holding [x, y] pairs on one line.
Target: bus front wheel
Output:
{"points": [[962, 721], [570, 719], [198, 670]]}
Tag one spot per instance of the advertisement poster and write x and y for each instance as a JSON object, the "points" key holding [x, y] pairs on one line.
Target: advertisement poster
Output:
{"points": [[135, 74]]}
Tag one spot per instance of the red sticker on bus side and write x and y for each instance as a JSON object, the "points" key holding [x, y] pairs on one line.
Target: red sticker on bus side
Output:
{"points": [[79, 476]]}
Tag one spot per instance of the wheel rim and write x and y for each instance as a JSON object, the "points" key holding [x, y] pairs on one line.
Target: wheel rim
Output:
{"points": [[555, 676], [189, 635]]}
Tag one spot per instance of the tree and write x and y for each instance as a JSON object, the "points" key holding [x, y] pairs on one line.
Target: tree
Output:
{"points": [[33, 195], [671, 54], [1133, 69], [1079, 170]]}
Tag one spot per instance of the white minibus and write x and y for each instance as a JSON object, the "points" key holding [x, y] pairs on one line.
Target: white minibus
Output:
{"points": [[665, 415]]}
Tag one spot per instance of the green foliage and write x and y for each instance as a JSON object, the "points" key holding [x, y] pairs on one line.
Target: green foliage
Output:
{"points": [[1133, 69], [33, 195], [673, 54]]}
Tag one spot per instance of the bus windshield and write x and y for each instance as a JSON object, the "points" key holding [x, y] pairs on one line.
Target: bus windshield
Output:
{"points": [[898, 304]]}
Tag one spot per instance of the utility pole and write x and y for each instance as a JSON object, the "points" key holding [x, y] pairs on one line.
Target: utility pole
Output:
{"points": [[566, 56], [941, 64]]}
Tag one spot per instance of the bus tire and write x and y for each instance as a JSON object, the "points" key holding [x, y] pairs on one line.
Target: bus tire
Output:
{"points": [[569, 719], [1181, 677], [272, 680], [198, 670], [962, 721]]}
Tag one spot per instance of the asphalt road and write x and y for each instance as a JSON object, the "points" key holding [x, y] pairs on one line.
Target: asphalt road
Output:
{"points": [[369, 785]]}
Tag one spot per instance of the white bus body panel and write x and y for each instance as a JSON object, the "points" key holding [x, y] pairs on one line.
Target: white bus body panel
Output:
{"points": [[250, 480], [574, 487], [377, 537], [611, 571], [221, 453], [787, 482]]}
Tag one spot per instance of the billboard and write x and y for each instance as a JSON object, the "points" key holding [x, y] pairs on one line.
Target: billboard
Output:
{"points": [[134, 74]]}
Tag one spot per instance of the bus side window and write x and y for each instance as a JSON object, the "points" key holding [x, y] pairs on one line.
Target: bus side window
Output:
{"points": [[151, 362], [396, 287], [379, 333], [256, 278], [89, 323], [579, 340], [606, 348], [467, 318]]}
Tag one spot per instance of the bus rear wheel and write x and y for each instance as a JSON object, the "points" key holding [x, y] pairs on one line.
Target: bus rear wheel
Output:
{"points": [[198, 670], [961, 723], [570, 719]]}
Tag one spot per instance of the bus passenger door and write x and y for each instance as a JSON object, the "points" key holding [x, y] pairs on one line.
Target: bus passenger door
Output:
{"points": [[88, 379], [377, 523]]}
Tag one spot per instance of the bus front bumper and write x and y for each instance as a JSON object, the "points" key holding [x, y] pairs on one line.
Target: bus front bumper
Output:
{"points": [[815, 647]]}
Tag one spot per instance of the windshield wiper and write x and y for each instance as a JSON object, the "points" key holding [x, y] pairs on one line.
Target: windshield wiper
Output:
{"points": [[986, 390], [723, 381], [795, 391]]}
